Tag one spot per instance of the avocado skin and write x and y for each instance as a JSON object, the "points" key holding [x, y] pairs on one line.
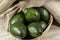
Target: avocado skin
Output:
{"points": [[17, 18], [44, 14], [31, 14], [35, 29], [43, 24], [18, 30]]}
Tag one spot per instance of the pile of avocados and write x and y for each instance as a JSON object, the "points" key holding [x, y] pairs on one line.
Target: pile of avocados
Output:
{"points": [[29, 23]]}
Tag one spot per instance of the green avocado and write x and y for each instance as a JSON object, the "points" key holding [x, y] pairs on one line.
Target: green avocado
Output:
{"points": [[35, 29], [43, 24], [31, 14], [44, 14], [17, 18], [18, 30]]}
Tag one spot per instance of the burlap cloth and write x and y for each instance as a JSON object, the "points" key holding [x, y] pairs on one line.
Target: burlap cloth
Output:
{"points": [[53, 34]]}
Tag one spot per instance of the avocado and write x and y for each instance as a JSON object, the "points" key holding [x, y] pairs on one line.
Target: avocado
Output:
{"points": [[17, 18], [35, 29], [43, 24], [31, 14], [18, 30], [44, 14]]}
